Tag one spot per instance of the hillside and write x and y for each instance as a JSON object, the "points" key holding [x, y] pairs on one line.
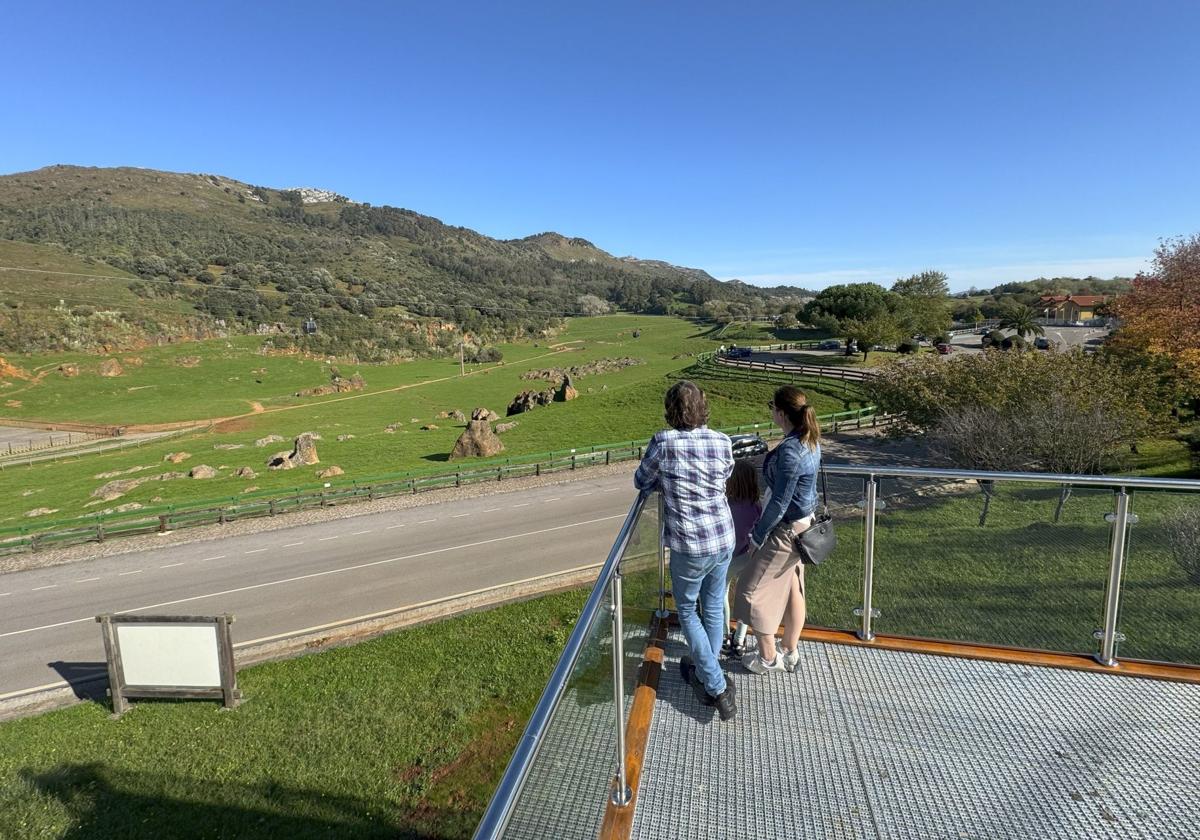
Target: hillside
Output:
{"points": [[241, 256]]}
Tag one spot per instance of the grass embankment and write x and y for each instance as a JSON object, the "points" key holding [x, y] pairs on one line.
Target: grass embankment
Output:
{"points": [[232, 375]]}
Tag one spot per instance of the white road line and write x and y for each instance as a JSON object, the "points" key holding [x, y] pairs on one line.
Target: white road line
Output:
{"points": [[293, 545], [87, 580], [134, 572], [218, 557], [327, 539], [257, 550], [491, 510], [321, 574], [552, 499], [426, 521], [459, 515], [584, 494], [2, 594], [522, 504], [360, 533], [390, 527], [170, 565], [40, 588], [613, 490]]}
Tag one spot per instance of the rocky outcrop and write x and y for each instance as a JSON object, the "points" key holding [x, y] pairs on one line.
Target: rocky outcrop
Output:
{"points": [[118, 488], [337, 385], [42, 511], [111, 368], [303, 453], [176, 457], [501, 428], [597, 367], [229, 446], [268, 440], [566, 391], [246, 472], [527, 400], [429, 427], [342, 438], [330, 472], [69, 370], [478, 439], [202, 471], [188, 361]]}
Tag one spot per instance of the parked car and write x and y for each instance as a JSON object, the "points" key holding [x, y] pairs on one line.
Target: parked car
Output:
{"points": [[738, 352], [830, 345], [943, 349], [747, 446]]}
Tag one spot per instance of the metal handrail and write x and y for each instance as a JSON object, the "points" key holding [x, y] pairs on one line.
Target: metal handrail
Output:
{"points": [[500, 809], [1112, 481]]}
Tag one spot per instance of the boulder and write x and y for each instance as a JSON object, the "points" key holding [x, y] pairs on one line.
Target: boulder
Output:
{"points": [[330, 472], [414, 420], [167, 476], [251, 488], [527, 400], [281, 460], [493, 417], [116, 489], [42, 511], [228, 445], [478, 439], [304, 453], [202, 471], [110, 368], [268, 440], [443, 415], [428, 427], [246, 472], [457, 414], [313, 435], [133, 361], [69, 370], [188, 361], [342, 438], [566, 391], [501, 428], [177, 457]]}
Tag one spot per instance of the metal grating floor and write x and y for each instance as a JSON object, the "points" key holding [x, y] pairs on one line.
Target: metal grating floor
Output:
{"points": [[865, 743]]}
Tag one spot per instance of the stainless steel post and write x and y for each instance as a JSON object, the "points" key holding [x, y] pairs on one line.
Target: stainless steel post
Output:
{"points": [[662, 562], [621, 794], [865, 632], [1116, 568]]}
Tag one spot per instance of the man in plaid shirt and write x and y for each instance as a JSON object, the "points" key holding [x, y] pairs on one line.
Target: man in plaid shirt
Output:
{"points": [[689, 464]]}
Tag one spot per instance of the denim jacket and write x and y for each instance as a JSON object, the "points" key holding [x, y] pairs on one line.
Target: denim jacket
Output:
{"points": [[790, 471]]}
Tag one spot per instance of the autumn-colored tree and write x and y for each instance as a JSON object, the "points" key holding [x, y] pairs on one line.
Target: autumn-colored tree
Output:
{"points": [[1161, 316]]}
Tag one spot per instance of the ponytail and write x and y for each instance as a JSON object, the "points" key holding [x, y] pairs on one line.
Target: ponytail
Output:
{"points": [[792, 402]]}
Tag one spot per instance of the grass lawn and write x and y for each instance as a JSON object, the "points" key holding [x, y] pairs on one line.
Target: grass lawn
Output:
{"points": [[623, 405]]}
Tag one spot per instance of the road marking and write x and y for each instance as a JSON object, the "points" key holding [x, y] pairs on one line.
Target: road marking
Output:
{"points": [[552, 499], [523, 504], [390, 527], [584, 494], [134, 572], [324, 573], [426, 521], [613, 490], [218, 557], [408, 607], [293, 545], [492, 510], [327, 539], [459, 515], [40, 588], [87, 580], [257, 550], [2, 594], [360, 533], [170, 565]]}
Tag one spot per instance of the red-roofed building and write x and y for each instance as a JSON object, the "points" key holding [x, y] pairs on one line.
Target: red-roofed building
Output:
{"points": [[1070, 308]]}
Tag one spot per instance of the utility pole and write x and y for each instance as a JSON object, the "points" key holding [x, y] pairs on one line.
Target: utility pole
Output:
{"points": [[462, 366]]}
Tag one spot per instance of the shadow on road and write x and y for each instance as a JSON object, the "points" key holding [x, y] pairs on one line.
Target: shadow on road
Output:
{"points": [[89, 680]]}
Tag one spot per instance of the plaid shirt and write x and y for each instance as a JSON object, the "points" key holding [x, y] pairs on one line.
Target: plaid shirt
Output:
{"points": [[689, 469]]}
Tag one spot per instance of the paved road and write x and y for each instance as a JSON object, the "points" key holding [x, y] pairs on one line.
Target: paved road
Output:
{"points": [[286, 581], [1063, 337]]}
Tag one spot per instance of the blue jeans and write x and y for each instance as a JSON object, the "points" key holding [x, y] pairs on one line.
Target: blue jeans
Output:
{"points": [[702, 577]]}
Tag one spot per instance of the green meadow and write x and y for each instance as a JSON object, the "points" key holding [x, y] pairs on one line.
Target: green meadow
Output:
{"points": [[234, 378]]}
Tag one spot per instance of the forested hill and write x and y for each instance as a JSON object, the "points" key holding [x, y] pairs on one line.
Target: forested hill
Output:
{"points": [[247, 255]]}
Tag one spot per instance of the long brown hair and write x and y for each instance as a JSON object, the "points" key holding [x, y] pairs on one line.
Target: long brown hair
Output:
{"points": [[742, 485], [791, 401]]}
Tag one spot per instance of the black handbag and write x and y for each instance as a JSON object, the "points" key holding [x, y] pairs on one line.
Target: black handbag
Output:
{"points": [[819, 541]]}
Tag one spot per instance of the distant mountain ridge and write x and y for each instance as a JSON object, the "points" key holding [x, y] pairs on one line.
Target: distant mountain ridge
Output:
{"points": [[248, 255]]}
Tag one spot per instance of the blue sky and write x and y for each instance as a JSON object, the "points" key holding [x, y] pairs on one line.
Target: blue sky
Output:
{"points": [[808, 143]]}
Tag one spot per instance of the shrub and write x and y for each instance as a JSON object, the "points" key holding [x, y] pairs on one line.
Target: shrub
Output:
{"points": [[993, 338], [1014, 342], [1183, 536], [941, 338], [907, 347]]}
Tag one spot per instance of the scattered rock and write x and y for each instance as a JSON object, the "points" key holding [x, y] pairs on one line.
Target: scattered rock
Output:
{"points": [[251, 488], [133, 361], [337, 385], [167, 476], [69, 370], [390, 430], [599, 366], [118, 488], [188, 361], [246, 472], [202, 471], [110, 368], [330, 472], [128, 506], [527, 400], [501, 428], [566, 391], [281, 460], [43, 511], [13, 403], [303, 453], [414, 420], [478, 439], [444, 415], [229, 446], [603, 387], [493, 417], [10, 371], [342, 438], [313, 435], [30, 492], [428, 427], [268, 440], [177, 457], [115, 473]]}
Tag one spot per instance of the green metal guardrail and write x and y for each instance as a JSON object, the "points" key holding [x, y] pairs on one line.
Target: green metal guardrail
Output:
{"points": [[162, 518]]}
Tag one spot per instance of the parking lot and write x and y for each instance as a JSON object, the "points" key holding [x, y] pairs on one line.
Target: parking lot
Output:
{"points": [[1063, 338]]}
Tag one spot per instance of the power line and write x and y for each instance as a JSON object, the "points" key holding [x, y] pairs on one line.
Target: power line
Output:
{"points": [[303, 290]]}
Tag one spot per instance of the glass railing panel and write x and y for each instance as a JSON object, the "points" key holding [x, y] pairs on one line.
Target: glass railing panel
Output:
{"points": [[1160, 593], [570, 780], [1006, 563], [834, 589]]}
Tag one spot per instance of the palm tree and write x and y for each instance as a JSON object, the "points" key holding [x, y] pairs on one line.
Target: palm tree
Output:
{"points": [[1022, 320]]}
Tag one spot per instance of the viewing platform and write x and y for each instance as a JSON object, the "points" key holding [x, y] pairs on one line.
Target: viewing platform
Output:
{"points": [[1034, 675]]}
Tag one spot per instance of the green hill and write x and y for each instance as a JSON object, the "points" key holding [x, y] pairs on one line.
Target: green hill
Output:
{"points": [[240, 256]]}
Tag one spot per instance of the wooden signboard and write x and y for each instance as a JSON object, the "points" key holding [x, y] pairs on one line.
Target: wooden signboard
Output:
{"points": [[176, 656]]}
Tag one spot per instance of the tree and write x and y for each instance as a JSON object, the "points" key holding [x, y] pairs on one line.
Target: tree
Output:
{"points": [[927, 284], [1161, 315], [856, 301], [866, 333], [592, 305], [1021, 319]]}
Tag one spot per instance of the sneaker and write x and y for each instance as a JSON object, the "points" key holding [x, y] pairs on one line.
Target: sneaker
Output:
{"points": [[755, 664], [726, 706], [731, 649], [791, 659], [687, 670]]}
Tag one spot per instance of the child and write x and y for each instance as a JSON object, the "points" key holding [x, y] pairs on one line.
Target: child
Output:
{"points": [[742, 490]]}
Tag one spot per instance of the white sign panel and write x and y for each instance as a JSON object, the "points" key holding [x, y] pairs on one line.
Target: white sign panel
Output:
{"points": [[181, 655]]}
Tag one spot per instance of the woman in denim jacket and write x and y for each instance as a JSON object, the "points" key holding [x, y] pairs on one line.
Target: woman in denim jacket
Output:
{"points": [[771, 589]]}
